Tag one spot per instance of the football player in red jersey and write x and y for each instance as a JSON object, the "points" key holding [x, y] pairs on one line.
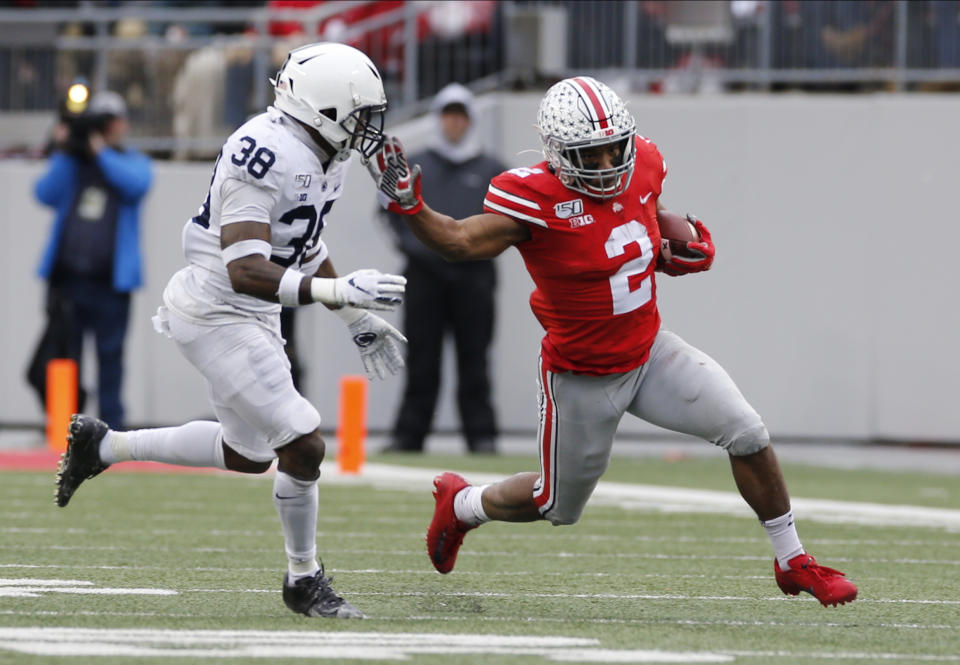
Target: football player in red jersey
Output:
{"points": [[585, 223]]}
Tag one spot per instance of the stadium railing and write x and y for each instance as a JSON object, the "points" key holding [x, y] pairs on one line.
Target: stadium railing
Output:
{"points": [[191, 74]]}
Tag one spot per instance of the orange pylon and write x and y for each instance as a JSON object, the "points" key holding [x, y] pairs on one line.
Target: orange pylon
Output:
{"points": [[61, 401], [353, 423]]}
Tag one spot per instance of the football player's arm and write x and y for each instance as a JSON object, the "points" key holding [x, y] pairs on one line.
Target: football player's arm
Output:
{"points": [[252, 274], [481, 236], [246, 248]]}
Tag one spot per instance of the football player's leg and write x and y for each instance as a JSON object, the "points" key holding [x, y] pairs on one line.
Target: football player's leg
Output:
{"points": [[212, 349], [296, 499], [579, 415], [263, 416], [685, 390], [578, 418]]}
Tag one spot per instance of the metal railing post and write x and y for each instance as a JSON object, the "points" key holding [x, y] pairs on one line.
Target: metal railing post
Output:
{"points": [[900, 44], [100, 78], [410, 55], [261, 66], [765, 54], [630, 34]]}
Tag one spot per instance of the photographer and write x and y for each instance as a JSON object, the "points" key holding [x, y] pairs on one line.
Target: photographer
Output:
{"points": [[92, 258]]}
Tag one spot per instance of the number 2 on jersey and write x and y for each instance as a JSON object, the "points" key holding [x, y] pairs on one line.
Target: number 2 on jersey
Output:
{"points": [[627, 297]]}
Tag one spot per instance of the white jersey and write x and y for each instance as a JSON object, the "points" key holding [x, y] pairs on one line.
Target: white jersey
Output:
{"points": [[268, 171]]}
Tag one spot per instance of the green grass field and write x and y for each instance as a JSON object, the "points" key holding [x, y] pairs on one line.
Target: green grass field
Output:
{"points": [[147, 568]]}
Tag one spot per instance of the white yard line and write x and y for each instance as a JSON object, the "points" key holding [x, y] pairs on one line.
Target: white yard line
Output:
{"points": [[527, 619], [316, 645], [676, 499]]}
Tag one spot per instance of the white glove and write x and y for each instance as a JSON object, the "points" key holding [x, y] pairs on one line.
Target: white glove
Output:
{"points": [[398, 185], [368, 289], [380, 344]]}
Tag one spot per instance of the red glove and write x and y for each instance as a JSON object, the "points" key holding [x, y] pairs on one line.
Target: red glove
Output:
{"points": [[693, 257], [398, 186]]}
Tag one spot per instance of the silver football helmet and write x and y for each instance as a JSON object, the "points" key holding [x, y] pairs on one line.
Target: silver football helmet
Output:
{"points": [[338, 91], [579, 114]]}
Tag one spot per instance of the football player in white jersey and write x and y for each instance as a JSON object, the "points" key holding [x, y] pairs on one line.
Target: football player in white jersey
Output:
{"points": [[253, 246]]}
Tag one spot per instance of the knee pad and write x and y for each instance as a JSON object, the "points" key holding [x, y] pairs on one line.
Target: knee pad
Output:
{"points": [[564, 513], [561, 520], [749, 441]]}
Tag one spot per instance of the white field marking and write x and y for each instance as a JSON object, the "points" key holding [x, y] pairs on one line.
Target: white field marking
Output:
{"points": [[321, 645], [32, 588], [391, 571], [663, 622], [91, 613], [39, 530], [676, 499], [576, 534], [848, 655], [39, 582], [497, 554], [513, 620], [591, 596]]}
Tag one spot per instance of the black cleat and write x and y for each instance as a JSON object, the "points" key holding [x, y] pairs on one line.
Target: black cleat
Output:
{"points": [[314, 597], [82, 459]]}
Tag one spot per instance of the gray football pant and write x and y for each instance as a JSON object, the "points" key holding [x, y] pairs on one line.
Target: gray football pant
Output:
{"points": [[679, 388]]}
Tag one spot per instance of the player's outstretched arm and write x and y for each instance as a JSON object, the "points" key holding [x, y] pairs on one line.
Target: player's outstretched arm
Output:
{"points": [[481, 236], [246, 252]]}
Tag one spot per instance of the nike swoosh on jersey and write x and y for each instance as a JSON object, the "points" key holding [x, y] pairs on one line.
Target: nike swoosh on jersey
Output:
{"points": [[643, 199]]}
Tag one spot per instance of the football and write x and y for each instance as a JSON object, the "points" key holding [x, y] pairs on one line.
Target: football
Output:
{"points": [[675, 232]]}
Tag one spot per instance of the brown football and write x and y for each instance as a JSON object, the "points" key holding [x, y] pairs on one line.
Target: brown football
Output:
{"points": [[675, 232]]}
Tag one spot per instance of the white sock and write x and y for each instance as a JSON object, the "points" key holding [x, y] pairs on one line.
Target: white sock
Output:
{"points": [[197, 443], [783, 536], [297, 503], [468, 506]]}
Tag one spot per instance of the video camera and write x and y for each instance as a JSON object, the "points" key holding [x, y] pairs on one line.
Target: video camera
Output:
{"points": [[80, 121]]}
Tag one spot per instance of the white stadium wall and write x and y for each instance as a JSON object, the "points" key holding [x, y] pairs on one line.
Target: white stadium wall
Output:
{"points": [[832, 302]]}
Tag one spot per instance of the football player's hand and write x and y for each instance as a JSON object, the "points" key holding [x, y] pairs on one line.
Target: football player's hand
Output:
{"points": [[369, 289], [695, 257], [398, 185], [379, 343]]}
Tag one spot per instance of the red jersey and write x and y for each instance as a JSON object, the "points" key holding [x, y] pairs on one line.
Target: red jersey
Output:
{"points": [[592, 262]]}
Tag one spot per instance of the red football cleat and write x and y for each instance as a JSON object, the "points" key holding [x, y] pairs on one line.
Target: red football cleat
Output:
{"points": [[446, 532], [827, 585]]}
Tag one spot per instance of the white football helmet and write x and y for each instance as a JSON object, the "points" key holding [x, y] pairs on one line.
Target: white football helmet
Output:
{"points": [[581, 113], [338, 91]]}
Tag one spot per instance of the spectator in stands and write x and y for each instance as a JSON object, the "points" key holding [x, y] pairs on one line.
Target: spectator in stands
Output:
{"points": [[92, 259], [448, 298]]}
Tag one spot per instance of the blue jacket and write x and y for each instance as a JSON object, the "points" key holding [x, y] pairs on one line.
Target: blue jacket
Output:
{"points": [[130, 174]]}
